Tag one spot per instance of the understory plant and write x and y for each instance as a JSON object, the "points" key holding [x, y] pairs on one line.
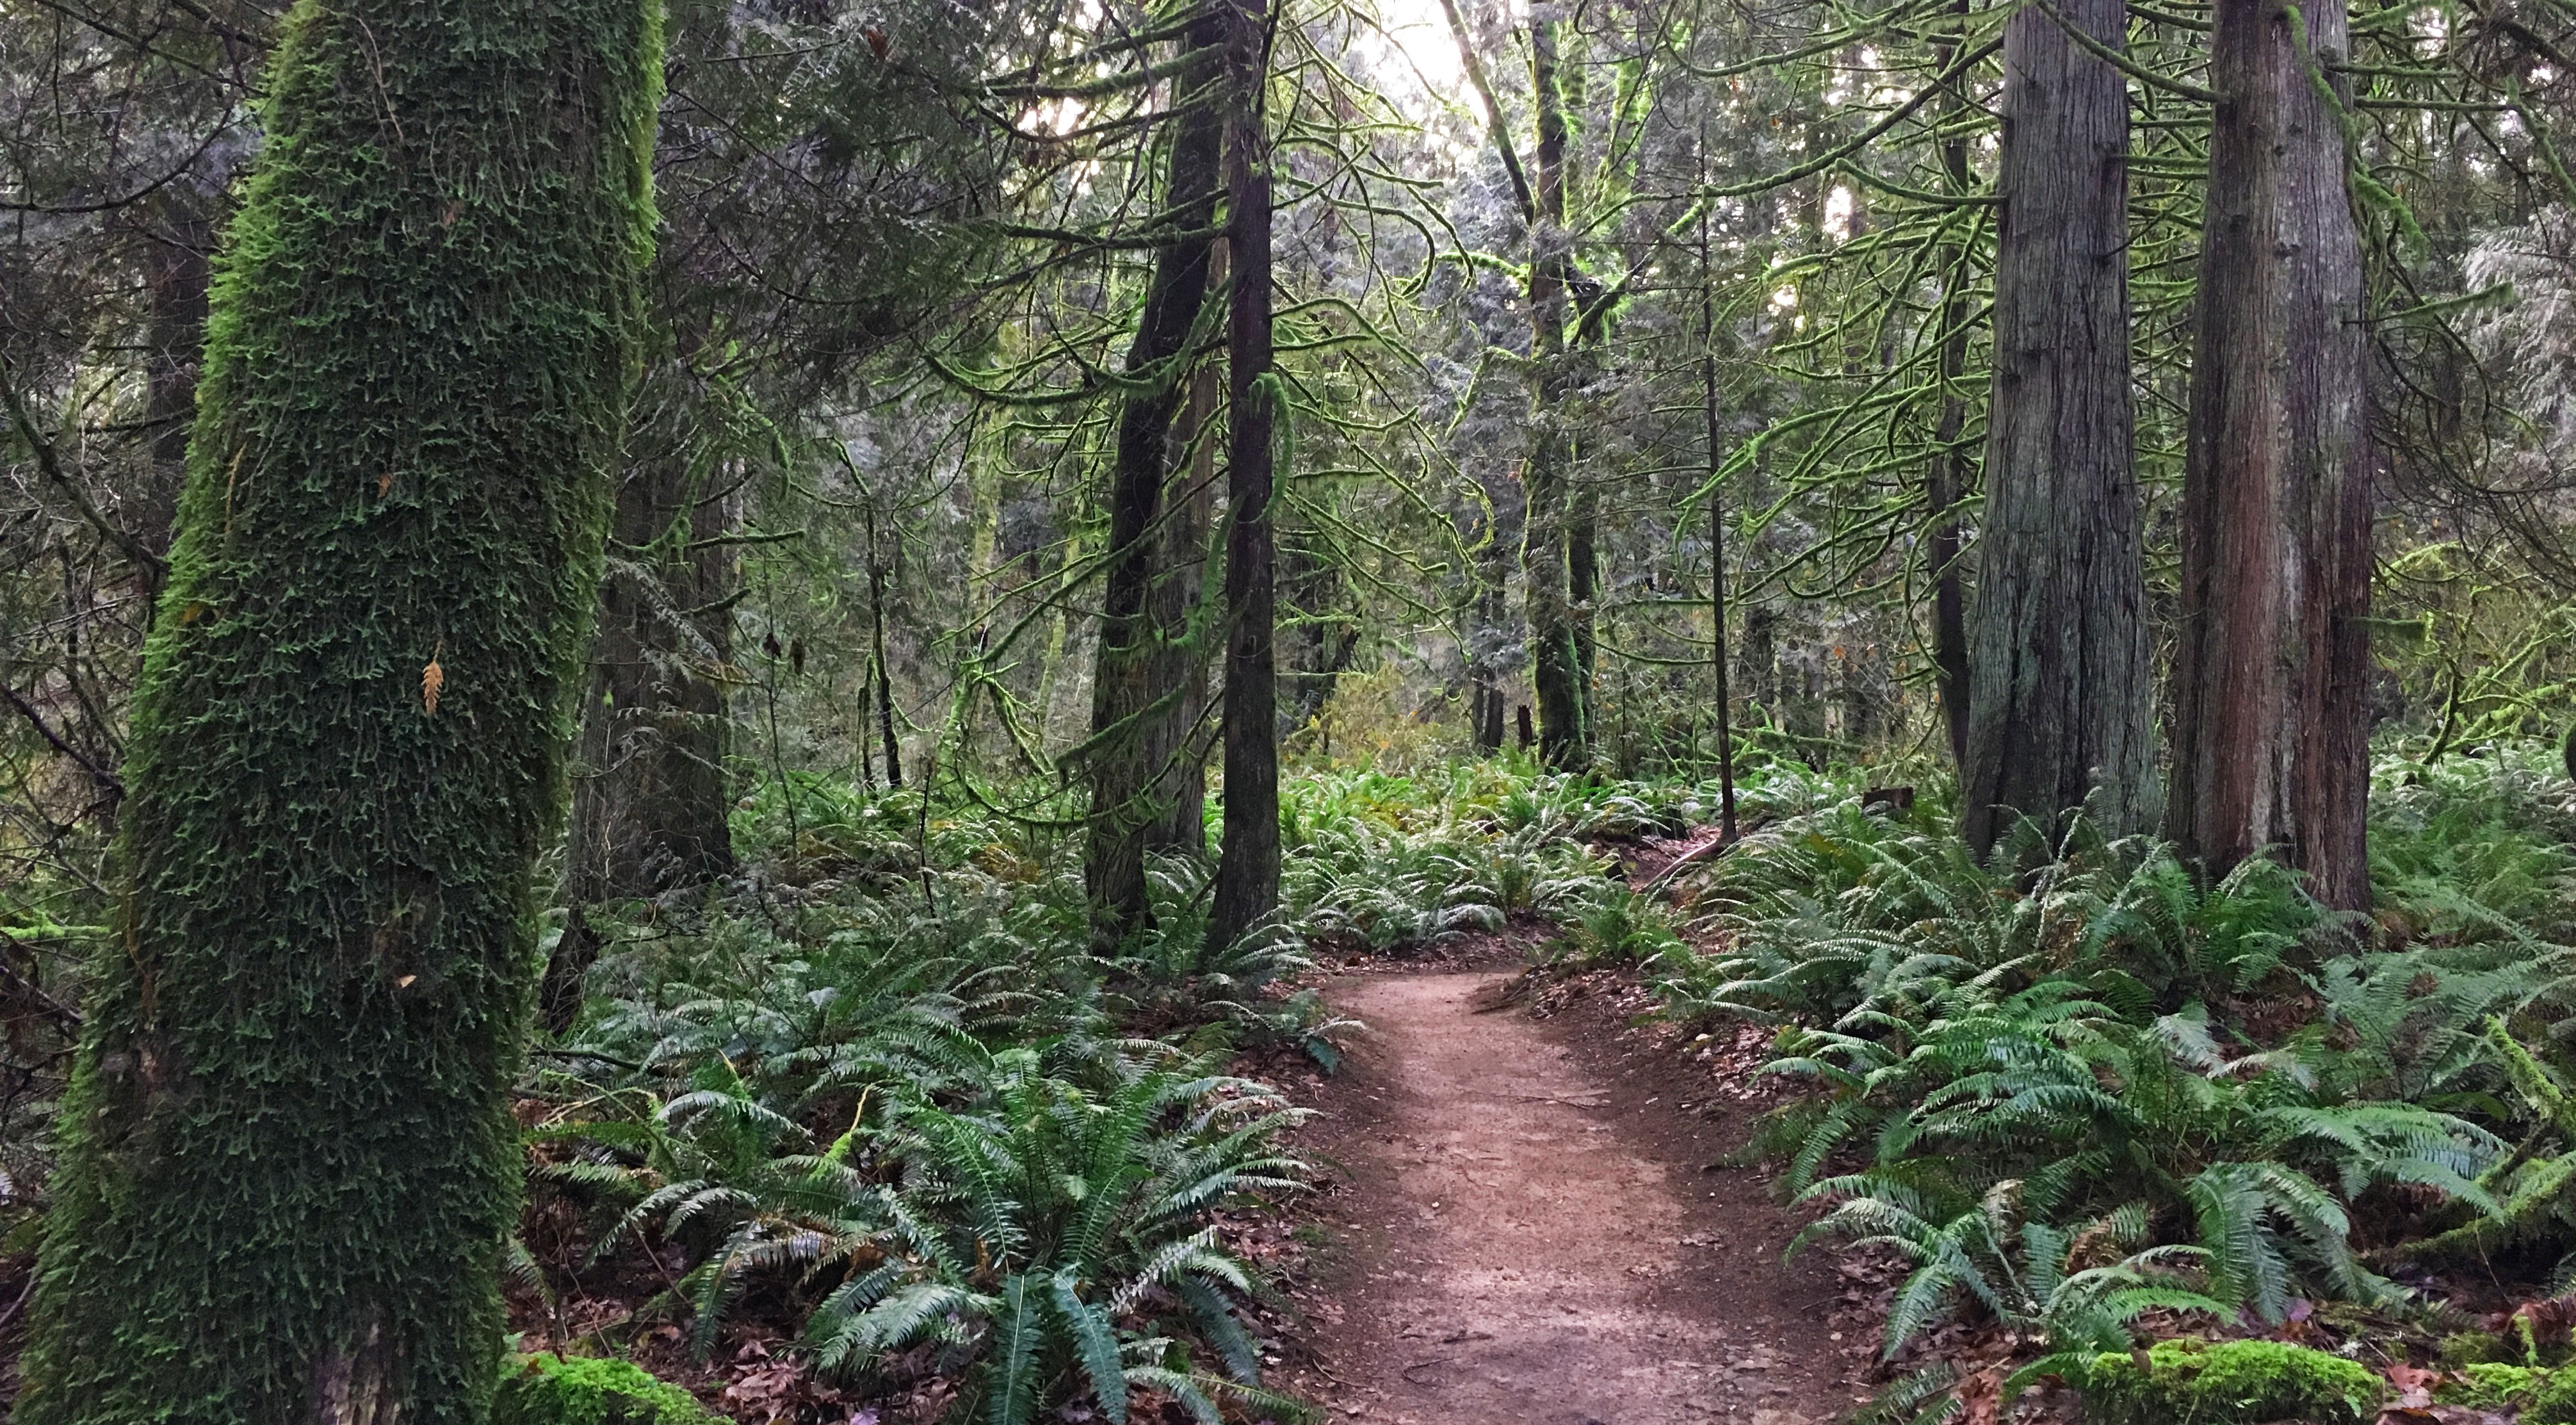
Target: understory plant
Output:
{"points": [[1045, 1219], [2075, 1082]]}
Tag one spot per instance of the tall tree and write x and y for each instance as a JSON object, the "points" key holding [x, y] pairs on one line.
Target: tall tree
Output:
{"points": [[2060, 704], [2272, 664], [650, 810], [1555, 565], [288, 1164], [1177, 739], [1247, 873], [1549, 565], [1128, 701], [1952, 472]]}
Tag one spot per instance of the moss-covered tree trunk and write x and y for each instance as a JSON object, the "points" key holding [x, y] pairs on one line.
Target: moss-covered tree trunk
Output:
{"points": [[288, 1166], [1247, 872], [1556, 660], [1123, 758]]}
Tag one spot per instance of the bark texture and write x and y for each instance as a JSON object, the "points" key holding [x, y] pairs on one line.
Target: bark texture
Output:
{"points": [[2272, 662], [2060, 703], [1247, 873], [1121, 757], [1953, 474], [1183, 611], [650, 808], [288, 1165], [1556, 654]]}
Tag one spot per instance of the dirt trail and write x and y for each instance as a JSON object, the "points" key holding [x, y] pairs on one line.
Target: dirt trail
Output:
{"points": [[1532, 1238]]}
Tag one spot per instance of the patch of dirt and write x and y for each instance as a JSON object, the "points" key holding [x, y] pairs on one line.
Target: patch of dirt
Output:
{"points": [[1531, 1232]]}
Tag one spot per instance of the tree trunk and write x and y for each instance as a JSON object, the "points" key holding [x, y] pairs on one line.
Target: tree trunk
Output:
{"points": [[1119, 756], [1725, 702], [650, 809], [881, 668], [2060, 705], [1583, 591], [2272, 663], [1952, 474], [177, 276], [1247, 873], [1181, 612], [1492, 631], [288, 1164], [1556, 658]]}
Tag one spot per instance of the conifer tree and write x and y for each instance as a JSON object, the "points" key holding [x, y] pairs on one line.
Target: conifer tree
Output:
{"points": [[2059, 690], [288, 1165], [2271, 669]]}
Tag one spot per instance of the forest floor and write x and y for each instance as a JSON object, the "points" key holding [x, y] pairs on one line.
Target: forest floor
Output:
{"points": [[1529, 1229]]}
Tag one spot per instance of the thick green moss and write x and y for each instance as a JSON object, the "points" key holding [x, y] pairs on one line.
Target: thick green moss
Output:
{"points": [[2230, 1383], [2490, 1386], [287, 1165], [547, 1390], [2543, 1396]]}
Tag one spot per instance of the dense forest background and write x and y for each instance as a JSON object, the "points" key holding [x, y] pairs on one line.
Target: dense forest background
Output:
{"points": [[1114, 501]]}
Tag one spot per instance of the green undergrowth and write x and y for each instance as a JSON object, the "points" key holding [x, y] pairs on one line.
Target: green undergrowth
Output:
{"points": [[2074, 1084], [880, 1096], [2539, 1395]]}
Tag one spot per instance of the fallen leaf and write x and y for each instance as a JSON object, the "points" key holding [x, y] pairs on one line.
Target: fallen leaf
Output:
{"points": [[432, 678]]}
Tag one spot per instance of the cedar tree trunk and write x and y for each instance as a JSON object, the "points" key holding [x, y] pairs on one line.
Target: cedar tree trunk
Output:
{"points": [[2272, 663], [2060, 704]]}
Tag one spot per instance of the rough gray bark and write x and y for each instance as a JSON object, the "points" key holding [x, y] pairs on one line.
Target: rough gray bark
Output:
{"points": [[2060, 694], [2272, 663], [1247, 873]]}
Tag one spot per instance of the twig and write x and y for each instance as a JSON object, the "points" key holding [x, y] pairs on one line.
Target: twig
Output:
{"points": [[107, 781]]}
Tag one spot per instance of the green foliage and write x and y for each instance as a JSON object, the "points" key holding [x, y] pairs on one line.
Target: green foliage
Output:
{"points": [[1844, 911], [287, 1164], [1050, 1234], [1618, 927], [2005, 1060], [545, 1389], [1371, 862], [2493, 1385], [2230, 1383], [1053, 1228], [2025, 1271]]}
